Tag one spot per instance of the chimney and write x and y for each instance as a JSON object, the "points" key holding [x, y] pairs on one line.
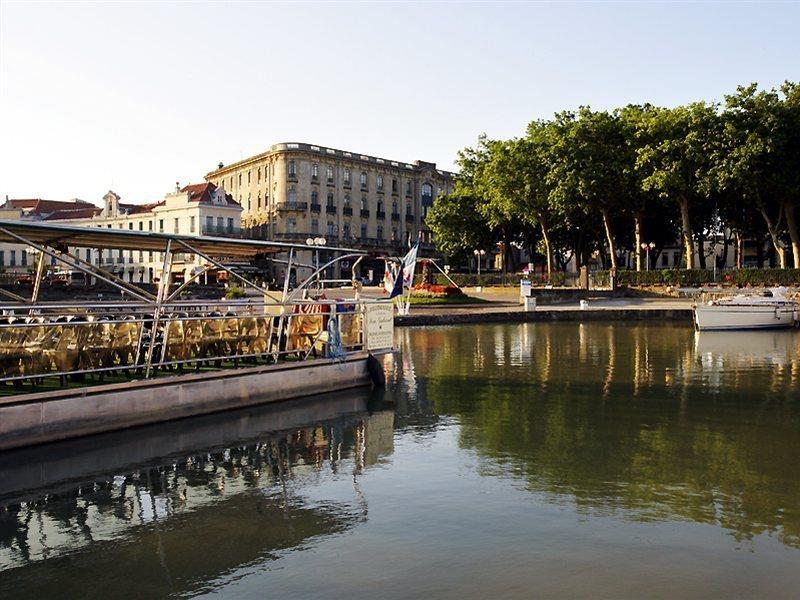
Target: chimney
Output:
{"points": [[177, 186], [220, 165]]}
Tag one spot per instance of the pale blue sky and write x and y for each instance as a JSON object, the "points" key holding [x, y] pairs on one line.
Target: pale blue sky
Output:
{"points": [[135, 96]]}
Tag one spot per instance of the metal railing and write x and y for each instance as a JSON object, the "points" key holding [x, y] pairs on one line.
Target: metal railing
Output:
{"points": [[61, 343]]}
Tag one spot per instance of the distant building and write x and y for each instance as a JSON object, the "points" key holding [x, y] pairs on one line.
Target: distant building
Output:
{"points": [[294, 191], [200, 209]]}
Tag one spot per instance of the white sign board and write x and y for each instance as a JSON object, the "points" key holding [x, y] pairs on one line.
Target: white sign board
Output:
{"points": [[525, 288], [380, 326]]}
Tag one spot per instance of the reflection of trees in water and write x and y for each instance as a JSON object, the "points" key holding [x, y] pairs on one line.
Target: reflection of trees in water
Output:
{"points": [[205, 486], [631, 418]]}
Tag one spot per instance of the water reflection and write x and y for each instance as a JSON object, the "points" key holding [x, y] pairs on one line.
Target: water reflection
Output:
{"points": [[141, 505], [648, 422]]}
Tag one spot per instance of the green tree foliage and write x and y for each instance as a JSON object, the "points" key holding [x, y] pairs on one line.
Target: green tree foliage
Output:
{"points": [[609, 181]]}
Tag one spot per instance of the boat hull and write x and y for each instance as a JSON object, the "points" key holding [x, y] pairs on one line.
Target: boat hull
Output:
{"points": [[734, 317]]}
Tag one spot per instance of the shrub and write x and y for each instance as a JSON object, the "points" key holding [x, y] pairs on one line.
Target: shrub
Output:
{"points": [[234, 292], [432, 290]]}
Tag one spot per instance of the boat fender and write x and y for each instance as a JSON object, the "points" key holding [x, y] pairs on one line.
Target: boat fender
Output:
{"points": [[375, 370]]}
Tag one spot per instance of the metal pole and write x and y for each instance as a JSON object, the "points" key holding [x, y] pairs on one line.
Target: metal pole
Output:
{"points": [[163, 288], [37, 284]]}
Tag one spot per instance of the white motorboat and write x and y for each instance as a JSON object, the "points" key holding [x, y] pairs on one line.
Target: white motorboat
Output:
{"points": [[769, 311]]}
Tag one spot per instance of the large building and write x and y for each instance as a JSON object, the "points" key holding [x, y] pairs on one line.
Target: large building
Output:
{"points": [[200, 209], [295, 191]]}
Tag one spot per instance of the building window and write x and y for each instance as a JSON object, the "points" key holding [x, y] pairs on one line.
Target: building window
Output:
{"points": [[346, 230], [380, 232], [315, 197], [209, 224], [24, 257], [408, 188], [191, 224], [314, 171], [161, 225], [330, 199], [363, 231], [240, 179], [363, 180], [394, 186], [176, 225], [347, 200], [258, 201], [394, 207], [364, 205], [427, 192], [347, 176], [380, 206], [314, 225], [220, 224], [130, 225], [329, 228], [249, 203], [13, 255], [380, 183], [230, 225], [330, 174], [291, 198], [150, 226], [258, 175], [292, 169], [394, 234], [291, 225], [2, 258], [141, 225], [248, 176], [408, 209]]}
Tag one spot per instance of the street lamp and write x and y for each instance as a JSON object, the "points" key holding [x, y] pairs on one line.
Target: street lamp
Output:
{"points": [[647, 247], [479, 254], [316, 242]]}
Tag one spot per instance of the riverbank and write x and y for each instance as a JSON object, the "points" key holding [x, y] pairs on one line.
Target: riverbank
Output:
{"points": [[616, 309]]}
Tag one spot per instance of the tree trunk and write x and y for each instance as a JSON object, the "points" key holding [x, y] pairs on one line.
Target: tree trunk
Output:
{"points": [[637, 239], [791, 225], [739, 249], [610, 237], [773, 235], [548, 251], [686, 226], [701, 250]]}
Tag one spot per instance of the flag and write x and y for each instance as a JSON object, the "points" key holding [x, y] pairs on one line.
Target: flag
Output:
{"points": [[397, 287], [409, 265], [388, 277]]}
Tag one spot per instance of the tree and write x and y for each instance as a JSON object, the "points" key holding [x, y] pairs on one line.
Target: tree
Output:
{"points": [[458, 226], [674, 158]]}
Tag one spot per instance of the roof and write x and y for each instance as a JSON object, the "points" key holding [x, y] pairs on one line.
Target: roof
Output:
{"points": [[204, 193], [73, 213], [44, 207], [102, 238]]}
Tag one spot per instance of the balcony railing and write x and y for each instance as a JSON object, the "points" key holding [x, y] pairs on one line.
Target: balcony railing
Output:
{"points": [[347, 211], [395, 216], [409, 218], [365, 213], [331, 210], [381, 214], [292, 206], [316, 208]]}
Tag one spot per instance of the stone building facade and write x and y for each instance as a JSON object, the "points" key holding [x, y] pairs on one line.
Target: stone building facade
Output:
{"points": [[295, 191], [200, 209]]}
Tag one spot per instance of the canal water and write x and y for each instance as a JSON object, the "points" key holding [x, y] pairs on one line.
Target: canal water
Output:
{"points": [[502, 461]]}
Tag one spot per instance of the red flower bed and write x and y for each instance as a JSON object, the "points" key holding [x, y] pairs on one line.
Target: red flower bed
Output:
{"points": [[436, 291]]}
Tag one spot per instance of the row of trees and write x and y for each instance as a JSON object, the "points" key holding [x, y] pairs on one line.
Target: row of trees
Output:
{"points": [[603, 182]]}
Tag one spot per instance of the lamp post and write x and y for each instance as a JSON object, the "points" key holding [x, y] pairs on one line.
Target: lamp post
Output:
{"points": [[316, 242], [479, 254], [647, 247]]}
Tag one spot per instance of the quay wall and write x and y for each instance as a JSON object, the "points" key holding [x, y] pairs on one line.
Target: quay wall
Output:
{"points": [[38, 418], [680, 315]]}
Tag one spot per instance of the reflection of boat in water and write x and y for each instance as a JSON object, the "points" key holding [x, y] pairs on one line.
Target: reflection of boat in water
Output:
{"points": [[771, 311], [746, 348]]}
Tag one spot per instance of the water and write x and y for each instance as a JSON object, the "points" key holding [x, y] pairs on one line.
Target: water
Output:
{"points": [[538, 460]]}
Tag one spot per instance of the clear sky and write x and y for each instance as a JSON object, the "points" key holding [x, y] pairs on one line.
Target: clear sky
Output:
{"points": [[136, 96]]}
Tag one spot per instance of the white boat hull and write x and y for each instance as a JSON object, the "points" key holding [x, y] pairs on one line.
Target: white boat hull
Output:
{"points": [[731, 316]]}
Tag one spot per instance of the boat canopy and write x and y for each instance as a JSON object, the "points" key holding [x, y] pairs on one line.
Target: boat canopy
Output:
{"points": [[124, 239]]}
